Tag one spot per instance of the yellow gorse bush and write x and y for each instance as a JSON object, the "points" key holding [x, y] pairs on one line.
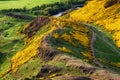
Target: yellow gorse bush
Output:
{"points": [[87, 55], [55, 35], [24, 55], [30, 51], [78, 33], [117, 64], [64, 49], [116, 37], [108, 18], [82, 38], [68, 38]]}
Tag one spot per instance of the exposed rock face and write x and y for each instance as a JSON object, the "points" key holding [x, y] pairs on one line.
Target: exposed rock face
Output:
{"points": [[110, 3], [35, 25], [95, 73], [47, 70], [80, 66], [45, 51]]}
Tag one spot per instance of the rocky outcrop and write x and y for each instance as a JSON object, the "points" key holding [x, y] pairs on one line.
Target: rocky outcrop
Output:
{"points": [[35, 25], [45, 51], [48, 70], [78, 65]]}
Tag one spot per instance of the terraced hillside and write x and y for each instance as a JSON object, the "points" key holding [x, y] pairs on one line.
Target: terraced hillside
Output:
{"points": [[81, 45]]}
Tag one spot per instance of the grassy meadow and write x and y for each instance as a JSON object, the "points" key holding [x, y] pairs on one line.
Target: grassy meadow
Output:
{"points": [[8, 4]]}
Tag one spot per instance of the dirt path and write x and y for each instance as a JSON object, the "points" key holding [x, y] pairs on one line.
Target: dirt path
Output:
{"points": [[93, 38]]}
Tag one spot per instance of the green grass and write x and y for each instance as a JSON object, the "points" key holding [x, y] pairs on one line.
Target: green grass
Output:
{"points": [[66, 70], [8, 4], [27, 70], [8, 77], [9, 37], [31, 68], [4, 66], [105, 49], [76, 50], [10, 41]]}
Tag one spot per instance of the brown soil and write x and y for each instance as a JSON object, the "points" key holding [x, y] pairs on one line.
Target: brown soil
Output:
{"points": [[48, 70]]}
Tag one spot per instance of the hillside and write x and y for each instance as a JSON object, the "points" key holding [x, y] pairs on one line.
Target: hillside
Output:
{"points": [[83, 44], [106, 19]]}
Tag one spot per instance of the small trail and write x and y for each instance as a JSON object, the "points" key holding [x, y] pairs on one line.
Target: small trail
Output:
{"points": [[93, 38]]}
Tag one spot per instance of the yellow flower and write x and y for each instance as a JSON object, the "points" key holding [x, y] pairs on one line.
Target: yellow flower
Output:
{"points": [[64, 49], [56, 35], [82, 38], [68, 38], [107, 18], [87, 55]]}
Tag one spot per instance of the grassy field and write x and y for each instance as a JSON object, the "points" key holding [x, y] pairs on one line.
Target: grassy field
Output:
{"points": [[7, 4]]}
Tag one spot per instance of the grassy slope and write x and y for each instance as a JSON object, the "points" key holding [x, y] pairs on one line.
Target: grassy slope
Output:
{"points": [[10, 42], [107, 18], [65, 39], [106, 45], [26, 71], [24, 3], [57, 42], [105, 49], [76, 49]]}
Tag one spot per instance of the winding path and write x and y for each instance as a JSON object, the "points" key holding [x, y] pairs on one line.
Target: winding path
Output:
{"points": [[93, 38]]}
